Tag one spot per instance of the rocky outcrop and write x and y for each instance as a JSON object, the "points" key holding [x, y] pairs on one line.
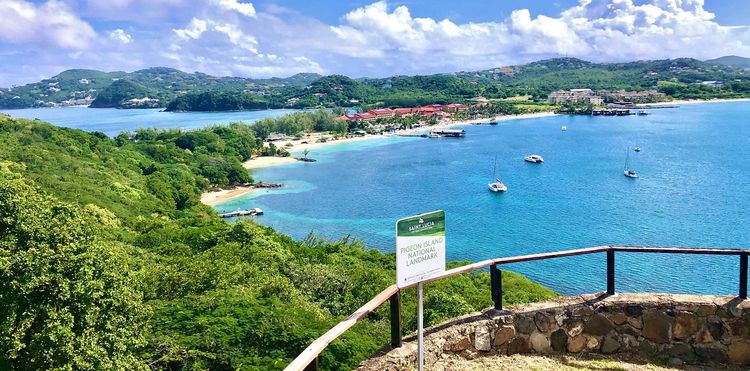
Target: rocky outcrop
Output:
{"points": [[678, 329]]}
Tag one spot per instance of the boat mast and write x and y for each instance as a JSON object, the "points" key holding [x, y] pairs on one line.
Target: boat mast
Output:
{"points": [[494, 169], [627, 158]]}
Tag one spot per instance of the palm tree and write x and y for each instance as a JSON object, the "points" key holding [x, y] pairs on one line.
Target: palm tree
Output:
{"points": [[306, 152]]}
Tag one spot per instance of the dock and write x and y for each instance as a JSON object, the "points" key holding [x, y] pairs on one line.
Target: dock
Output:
{"points": [[233, 214], [449, 132]]}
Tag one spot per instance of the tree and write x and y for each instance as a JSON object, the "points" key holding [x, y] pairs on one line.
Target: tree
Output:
{"points": [[68, 300], [306, 152]]}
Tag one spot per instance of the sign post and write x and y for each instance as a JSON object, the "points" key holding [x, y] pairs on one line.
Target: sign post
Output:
{"points": [[420, 255]]}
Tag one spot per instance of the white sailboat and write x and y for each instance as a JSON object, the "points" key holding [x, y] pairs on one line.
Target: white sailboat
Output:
{"points": [[628, 172], [497, 185]]}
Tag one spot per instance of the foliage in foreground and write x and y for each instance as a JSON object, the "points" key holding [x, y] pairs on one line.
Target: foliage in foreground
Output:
{"points": [[149, 281]]}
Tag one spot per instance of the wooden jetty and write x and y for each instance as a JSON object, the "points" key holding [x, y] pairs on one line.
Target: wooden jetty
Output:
{"points": [[233, 214]]}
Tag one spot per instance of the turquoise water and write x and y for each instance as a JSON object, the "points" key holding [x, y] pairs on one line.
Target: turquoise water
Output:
{"points": [[693, 191], [112, 121]]}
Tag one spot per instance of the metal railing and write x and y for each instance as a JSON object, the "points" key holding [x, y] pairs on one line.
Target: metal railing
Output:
{"points": [[308, 359]]}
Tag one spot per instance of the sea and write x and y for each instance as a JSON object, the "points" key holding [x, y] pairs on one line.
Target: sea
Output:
{"points": [[112, 121], [693, 191]]}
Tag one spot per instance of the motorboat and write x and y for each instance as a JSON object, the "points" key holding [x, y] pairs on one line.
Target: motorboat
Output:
{"points": [[564, 128], [536, 159]]}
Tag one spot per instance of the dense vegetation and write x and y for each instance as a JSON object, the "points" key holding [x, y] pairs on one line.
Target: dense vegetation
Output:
{"points": [[108, 261], [218, 101], [200, 92], [121, 91]]}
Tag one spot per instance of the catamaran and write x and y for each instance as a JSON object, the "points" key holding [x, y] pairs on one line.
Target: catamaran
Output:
{"points": [[497, 185], [536, 159], [630, 173]]}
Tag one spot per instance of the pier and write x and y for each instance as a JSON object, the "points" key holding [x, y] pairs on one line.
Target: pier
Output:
{"points": [[233, 214]]}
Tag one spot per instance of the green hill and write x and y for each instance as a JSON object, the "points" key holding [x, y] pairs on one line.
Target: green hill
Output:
{"points": [[679, 78], [732, 61], [124, 93], [109, 261]]}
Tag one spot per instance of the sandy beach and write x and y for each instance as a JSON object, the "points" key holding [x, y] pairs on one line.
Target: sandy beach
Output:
{"points": [[310, 143], [215, 197]]}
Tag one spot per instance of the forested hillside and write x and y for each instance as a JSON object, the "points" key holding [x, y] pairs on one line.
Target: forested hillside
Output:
{"points": [[678, 78], [109, 261]]}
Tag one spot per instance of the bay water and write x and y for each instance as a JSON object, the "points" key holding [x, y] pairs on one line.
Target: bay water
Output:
{"points": [[693, 190]]}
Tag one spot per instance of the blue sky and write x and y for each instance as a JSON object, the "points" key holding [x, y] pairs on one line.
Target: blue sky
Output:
{"points": [[263, 38]]}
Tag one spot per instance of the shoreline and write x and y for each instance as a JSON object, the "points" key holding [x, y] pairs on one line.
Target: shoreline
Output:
{"points": [[698, 101], [213, 198]]}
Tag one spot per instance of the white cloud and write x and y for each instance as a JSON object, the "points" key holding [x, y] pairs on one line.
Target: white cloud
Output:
{"points": [[121, 36], [594, 29], [243, 8], [237, 37], [49, 23], [194, 29]]}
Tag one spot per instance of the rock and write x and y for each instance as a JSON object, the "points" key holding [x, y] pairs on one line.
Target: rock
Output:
{"points": [[524, 324], [518, 345], [504, 334], [647, 349], [676, 362], [706, 310], [439, 343], [610, 345], [711, 353], [539, 342], [738, 328], [544, 321], [560, 318], [404, 351], [482, 339], [582, 311], [716, 328], [470, 354], [597, 325], [618, 318], [635, 322], [574, 327], [559, 340], [704, 336], [739, 352], [633, 311], [592, 343], [461, 345], [683, 351], [630, 330], [685, 325], [629, 341], [576, 344], [657, 327]]}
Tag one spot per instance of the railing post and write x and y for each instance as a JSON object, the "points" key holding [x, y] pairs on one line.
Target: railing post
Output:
{"points": [[610, 272], [743, 276], [313, 366], [395, 302], [496, 286]]}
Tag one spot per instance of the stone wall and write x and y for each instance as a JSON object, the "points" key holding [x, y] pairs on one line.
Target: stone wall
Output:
{"points": [[693, 329]]}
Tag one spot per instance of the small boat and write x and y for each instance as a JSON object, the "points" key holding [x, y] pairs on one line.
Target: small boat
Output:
{"points": [[628, 172], [564, 128], [497, 185], [637, 149], [642, 113], [493, 123], [536, 159]]}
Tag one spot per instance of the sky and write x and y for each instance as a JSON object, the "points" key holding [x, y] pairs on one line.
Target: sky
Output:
{"points": [[264, 38]]}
